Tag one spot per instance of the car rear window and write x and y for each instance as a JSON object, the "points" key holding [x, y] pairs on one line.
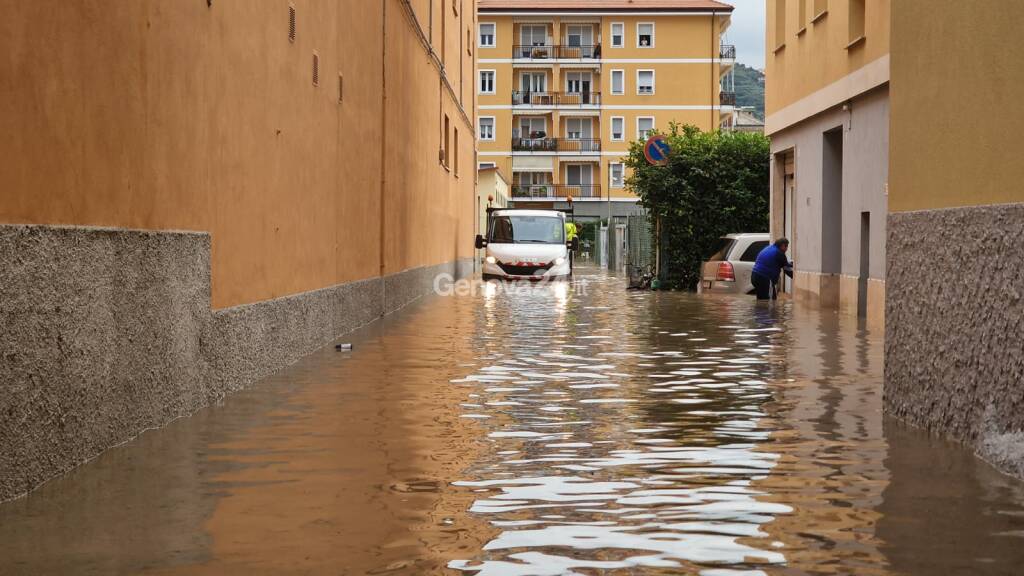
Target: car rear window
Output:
{"points": [[750, 254], [722, 249]]}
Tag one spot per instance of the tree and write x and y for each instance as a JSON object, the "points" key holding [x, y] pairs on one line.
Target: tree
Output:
{"points": [[715, 183]]}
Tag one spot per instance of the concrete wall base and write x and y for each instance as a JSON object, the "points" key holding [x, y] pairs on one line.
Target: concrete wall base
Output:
{"points": [[954, 334], [840, 293], [109, 332]]}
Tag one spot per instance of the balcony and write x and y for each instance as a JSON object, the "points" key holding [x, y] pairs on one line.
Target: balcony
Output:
{"points": [[556, 52], [727, 52], [535, 52], [727, 98], [568, 145], [551, 99], [555, 191]]}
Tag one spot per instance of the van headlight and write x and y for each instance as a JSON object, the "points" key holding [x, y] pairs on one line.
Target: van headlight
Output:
{"points": [[491, 260], [559, 261]]}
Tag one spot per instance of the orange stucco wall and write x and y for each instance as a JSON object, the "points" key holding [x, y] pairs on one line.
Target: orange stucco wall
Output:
{"points": [[169, 114]]}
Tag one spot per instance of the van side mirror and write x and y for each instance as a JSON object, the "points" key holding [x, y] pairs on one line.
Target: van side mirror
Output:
{"points": [[480, 242]]}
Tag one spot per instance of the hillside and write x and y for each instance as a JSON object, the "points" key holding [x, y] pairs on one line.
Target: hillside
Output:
{"points": [[750, 88]]}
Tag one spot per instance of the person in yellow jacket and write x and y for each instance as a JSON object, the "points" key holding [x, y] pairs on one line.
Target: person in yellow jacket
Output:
{"points": [[570, 233]]}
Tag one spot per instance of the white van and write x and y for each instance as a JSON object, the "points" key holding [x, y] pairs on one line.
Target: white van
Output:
{"points": [[523, 244]]}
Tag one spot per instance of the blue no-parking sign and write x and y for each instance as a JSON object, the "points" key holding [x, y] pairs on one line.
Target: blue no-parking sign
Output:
{"points": [[656, 150]]}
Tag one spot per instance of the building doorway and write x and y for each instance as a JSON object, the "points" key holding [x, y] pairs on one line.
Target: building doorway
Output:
{"points": [[865, 264], [832, 202]]}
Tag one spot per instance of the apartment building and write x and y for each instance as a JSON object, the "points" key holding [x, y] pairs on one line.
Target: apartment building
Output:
{"points": [[194, 194], [954, 330], [564, 87], [827, 114]]}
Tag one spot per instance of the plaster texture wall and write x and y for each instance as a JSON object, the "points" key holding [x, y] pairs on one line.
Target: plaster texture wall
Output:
{"points": [[109, 332], [954, 342]]}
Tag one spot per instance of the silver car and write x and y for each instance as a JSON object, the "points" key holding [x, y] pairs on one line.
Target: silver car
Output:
{"points": [[727, 271]]}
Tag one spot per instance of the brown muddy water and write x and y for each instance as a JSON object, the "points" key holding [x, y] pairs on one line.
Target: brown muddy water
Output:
{"points": [[542, 432]]}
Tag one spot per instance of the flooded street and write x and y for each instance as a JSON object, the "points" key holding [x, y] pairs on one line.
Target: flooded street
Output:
{"points": [[567, 430]]}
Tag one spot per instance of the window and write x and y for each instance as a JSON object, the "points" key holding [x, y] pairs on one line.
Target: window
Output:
{"points": [[615, 175], [291, 23], [618, 82], [857, 8], [456, 155], [532, 128], [618, 129], [750, 254], [618, 34], [578, 175], [487, 82], [577, 128], [645, 81], [486, 128], [644, 125], [780, 23], [445, 150], [487, 34], [645, 35], [533, 34], [820, 7]]}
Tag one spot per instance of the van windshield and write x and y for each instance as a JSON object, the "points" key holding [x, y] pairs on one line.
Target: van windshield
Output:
{"points": [[527, 230]]}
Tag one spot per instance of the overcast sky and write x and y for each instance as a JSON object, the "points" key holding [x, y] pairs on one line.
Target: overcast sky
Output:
{"points": [[747, 31]]}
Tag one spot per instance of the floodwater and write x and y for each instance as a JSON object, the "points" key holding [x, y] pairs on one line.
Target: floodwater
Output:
{"points": [[571, 429]]}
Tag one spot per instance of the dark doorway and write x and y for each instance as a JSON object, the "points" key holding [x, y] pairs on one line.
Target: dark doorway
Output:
{"points": [[832, 202], [865, 264]]}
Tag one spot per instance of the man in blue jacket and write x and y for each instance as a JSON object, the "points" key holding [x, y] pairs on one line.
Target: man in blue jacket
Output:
{"points": [[770, 262]]}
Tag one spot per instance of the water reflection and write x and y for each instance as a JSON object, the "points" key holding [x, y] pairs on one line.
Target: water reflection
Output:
{"points": [[666, 433], [542, 432]]}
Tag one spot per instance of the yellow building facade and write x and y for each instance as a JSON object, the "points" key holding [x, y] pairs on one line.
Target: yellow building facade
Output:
{"points": [[564, 87], [827, 114]]}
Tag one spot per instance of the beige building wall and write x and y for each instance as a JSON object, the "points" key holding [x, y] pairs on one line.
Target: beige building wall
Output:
{"points": [[815, 49], [827, 114], [175, 115], [327, 179], [954, 334]]}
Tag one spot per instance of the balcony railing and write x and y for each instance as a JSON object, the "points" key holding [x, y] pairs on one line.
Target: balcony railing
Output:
{"points": [[550, 51], [586, 52], [728, 98], [581, 145], [578, 191], [522, 98], [546, 191], [727, 52], [542, 52]]}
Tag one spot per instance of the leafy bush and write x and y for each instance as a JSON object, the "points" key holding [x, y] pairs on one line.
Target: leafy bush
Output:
{"points": [[715, 183]]}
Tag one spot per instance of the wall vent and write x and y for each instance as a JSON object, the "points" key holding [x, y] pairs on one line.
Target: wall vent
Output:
{"points": [[291, 23], [316, 69], [341, 88]]}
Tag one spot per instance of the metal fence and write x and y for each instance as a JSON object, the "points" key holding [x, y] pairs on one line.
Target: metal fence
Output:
{"points": [[640, 244]]}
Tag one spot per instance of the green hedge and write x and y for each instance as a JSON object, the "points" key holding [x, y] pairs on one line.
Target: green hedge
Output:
{"points": [[715, 183]]}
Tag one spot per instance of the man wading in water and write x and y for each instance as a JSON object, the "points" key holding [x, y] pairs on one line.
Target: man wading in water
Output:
{"points": [[770, 262]]}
